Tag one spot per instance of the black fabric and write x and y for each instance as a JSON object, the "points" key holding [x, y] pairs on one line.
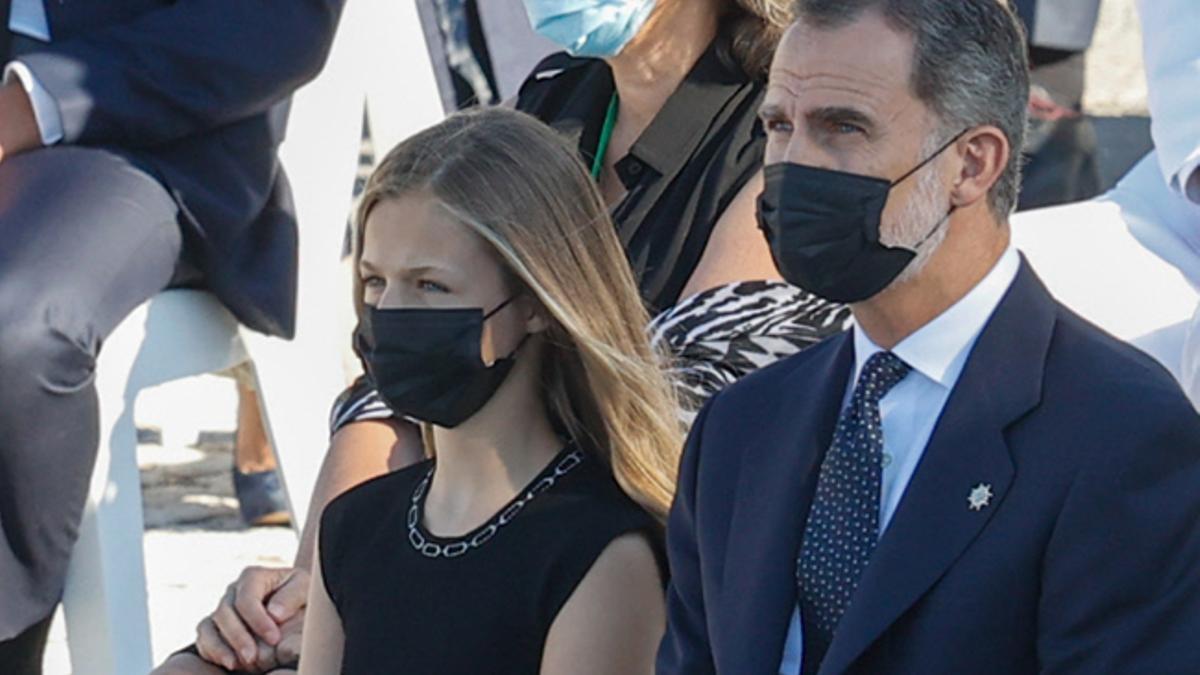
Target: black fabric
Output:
{"points": [[701, 149], [87, 237], [427, 362], [22, 655], [488, 611], [5, 34]]}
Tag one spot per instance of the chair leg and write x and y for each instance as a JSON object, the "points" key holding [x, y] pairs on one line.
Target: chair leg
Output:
{"points": [[105, 604], [178, 334], [305, 440]]}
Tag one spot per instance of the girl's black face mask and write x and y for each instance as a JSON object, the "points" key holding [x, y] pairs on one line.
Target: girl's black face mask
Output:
{"points": [[823, 229], [427, 363]]}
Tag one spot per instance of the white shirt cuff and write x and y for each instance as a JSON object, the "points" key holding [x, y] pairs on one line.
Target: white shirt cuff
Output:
{"points": [[45, 108]]}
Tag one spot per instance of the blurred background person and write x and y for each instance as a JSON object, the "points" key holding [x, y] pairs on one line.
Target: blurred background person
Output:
{"points": [[137, 152], [1130, 260], [1061, 148]]}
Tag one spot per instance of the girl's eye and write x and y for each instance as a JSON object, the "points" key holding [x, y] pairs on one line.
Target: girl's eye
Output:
{"points": [[373, 283], [432, 286]]}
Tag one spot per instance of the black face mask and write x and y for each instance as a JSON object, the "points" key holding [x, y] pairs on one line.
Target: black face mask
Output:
{"points": [[427, 363], [823, 229]]}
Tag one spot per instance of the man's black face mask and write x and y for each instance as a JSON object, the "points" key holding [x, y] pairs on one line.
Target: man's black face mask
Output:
{"points": [[823, 229]]}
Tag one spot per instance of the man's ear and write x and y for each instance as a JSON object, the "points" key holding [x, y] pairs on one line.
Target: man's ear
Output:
{"points": [[984, 153]]}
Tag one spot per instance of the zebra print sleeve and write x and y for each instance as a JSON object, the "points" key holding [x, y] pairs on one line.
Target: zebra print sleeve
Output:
{"points": [[722, 334], [359, 403]]}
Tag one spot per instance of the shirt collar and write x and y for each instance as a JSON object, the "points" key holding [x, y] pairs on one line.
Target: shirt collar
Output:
{"points": [[939, 349], [695, 104], [676, 130]]}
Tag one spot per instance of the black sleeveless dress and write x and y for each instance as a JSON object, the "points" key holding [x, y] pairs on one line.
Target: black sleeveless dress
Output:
{"points": [[413, 603]]}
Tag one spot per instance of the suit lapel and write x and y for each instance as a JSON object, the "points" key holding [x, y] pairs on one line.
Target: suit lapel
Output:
{"points": [[934, 523], [775, 489]]}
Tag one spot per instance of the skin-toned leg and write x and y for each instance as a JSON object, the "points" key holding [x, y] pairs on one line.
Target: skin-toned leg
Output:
{"points": [[253, 451]]}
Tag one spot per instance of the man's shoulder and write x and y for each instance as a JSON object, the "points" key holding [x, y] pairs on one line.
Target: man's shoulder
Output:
{"points": [[1110, 387], [1091, 357]]}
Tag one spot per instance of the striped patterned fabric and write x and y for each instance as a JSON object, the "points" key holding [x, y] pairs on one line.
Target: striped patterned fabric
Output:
{"points": [[359, 403], [712, 338], [728, 332]]}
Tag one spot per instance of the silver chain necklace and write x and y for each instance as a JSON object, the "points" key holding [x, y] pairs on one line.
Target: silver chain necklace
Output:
{"points": [[461, 547]]}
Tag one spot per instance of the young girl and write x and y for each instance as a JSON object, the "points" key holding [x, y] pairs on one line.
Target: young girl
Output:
{"points": [[499, 310]]}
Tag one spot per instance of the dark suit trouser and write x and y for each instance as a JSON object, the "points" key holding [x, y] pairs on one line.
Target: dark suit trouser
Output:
{"points": [[85, 237], [22, 655]]}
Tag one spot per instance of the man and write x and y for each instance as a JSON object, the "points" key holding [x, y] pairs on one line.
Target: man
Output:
{"points": [[973, 479], [137, 152]]}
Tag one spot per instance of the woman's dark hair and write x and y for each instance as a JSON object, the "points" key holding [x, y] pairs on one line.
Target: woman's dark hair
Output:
{"points": [[756, 27]]}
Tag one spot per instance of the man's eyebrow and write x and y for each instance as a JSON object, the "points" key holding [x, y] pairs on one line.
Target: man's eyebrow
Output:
{"points": [[840, 115], [772, 111]]}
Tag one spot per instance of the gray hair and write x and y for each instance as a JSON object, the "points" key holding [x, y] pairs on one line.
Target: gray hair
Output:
{"points": [[970, 67]]}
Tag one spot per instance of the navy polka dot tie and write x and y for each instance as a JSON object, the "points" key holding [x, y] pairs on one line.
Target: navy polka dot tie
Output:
{"points": [[843, 524]]}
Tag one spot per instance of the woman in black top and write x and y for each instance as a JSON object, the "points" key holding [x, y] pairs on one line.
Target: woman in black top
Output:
{"points": [[680, 174], [499, 312]]}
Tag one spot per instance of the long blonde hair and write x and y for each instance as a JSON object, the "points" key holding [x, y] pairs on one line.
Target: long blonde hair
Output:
{"points": [[522, 187]]}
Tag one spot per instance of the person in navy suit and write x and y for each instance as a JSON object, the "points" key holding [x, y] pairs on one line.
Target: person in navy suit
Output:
{"points": [[137, 152], [973, 479]]}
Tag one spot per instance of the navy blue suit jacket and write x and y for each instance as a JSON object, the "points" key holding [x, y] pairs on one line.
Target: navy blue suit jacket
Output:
{"points": [[1087, 560], [196, 92]]}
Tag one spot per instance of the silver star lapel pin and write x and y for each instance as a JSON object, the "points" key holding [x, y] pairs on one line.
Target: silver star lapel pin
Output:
{"points": [[980, 497]]}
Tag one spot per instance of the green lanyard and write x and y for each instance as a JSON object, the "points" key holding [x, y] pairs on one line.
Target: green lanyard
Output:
{"points": [[610, 121]]}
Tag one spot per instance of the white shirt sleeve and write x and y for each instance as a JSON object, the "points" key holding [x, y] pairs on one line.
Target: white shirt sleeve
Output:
{"points": [[45, 108], [28, 18], [1172, 55]]}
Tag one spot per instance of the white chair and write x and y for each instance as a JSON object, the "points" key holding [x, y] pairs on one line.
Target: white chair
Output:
{"points": [[175, 335], [180, 333]]}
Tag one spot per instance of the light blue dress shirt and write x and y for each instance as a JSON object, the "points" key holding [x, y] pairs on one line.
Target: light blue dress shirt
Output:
{"points": [[910, 411], [28, 18]]}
